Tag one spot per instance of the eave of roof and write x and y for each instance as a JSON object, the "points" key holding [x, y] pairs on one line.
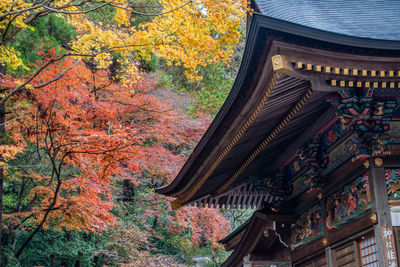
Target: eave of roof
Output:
{"points": [[253, 233], [254, 230], [261, 25], [235, 233]]}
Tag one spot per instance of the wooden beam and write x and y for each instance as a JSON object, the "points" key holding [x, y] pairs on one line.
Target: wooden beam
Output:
{"points": [[300, 141]]}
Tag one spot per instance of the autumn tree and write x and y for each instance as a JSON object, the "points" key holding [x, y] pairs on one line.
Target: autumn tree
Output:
{"points": [[184, 231], [83, 135], [64, 110], [75, 142]]}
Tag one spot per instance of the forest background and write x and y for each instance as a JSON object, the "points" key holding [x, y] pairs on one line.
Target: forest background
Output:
{"points": [[101, 102]]}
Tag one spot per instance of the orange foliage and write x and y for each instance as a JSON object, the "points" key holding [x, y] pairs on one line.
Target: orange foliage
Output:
{"points": [[206, 224], [86, 123], [94, 131]]}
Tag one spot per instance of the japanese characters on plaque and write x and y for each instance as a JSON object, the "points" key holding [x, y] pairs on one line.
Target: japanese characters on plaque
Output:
{"points": [[389, 247]]}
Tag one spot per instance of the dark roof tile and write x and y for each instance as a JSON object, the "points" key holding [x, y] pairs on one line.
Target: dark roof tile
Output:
{"points": [[367, 19]]}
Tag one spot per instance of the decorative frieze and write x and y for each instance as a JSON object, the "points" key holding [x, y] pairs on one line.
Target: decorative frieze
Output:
{"points": [[277, 184], [348, 203], [309, 226], [393, 186], [361, 112]]}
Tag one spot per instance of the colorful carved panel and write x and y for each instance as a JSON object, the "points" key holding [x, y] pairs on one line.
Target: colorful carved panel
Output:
{"points": [[368, 115], [333, 135], [340, 152], [393, 186], [363, 147], [362, 112], [367, 124], [394, 132], [309, 226], [277, 184], [348, 203]]}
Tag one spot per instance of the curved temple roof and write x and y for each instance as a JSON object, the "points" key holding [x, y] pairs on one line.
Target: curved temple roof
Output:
{"points": [[368, 19], [226, 145], [260, 234]]}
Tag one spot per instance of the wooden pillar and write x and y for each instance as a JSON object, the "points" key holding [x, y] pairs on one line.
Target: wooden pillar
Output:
{"points": [[379, 202], [328, 255]]}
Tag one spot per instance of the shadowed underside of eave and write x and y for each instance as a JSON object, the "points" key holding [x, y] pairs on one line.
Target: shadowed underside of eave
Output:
{"points": [[224, 155], [268, 121]]}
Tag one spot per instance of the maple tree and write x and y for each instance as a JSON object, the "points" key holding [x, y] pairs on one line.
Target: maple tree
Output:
{"points": [[189, 227], [71, 127], [84, 117], [107, 132]]}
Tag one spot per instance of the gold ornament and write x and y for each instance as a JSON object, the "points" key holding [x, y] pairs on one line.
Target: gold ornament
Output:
{"points": [[373, 218], [366, 164], [378, 162]]}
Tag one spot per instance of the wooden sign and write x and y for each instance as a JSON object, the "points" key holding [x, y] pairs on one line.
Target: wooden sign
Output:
{"points": [[389, 246]]}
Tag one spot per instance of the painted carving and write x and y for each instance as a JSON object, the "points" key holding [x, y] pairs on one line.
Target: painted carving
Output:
{"points": [[333, 140], [368, 146], [393, 186], [314, 181], [334, 134], [369, 117], [361, 112], [314, 155], [309, 226], [348, 203], [367, 125], [277, 185]]}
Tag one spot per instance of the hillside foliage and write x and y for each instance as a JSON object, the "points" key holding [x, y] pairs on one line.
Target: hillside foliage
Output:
{"points": [[100, 103]]}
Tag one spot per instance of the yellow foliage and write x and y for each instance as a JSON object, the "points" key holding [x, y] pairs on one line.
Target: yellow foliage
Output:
{"points": [[195, 34], [8, 152], [11, 57], [18, 21], [201, 33]]}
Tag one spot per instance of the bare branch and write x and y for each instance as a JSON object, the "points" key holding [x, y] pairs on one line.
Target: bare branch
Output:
{"points": [[116, 6], [21, 86], [57, 77], [20, 11], [20, 117], [151, 14], [55, 10]]}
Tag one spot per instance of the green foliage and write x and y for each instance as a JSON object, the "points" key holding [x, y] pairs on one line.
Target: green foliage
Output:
{"points": [[49, 32], [209, 94], [213, 89], [104, 15], [152, 235], [166, 80], [237, 216], [150, 65], [55, 248]]}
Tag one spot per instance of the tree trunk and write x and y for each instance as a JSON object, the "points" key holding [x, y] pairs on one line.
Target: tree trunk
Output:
{"points": [[2, 142]]}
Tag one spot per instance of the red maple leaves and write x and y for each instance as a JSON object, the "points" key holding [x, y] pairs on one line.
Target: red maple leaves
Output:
{"points": [[92, 131]]}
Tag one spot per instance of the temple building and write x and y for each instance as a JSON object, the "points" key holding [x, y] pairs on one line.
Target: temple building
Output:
{"points": [[309, 137]]}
